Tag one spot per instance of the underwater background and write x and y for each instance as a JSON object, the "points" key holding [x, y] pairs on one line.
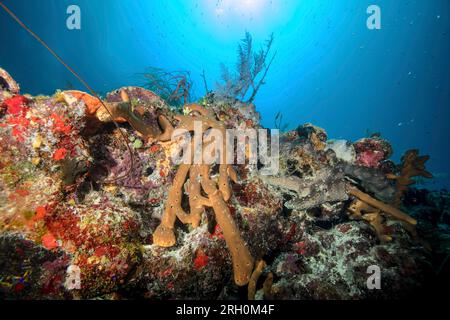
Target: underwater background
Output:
{"points": [[329, 68]]}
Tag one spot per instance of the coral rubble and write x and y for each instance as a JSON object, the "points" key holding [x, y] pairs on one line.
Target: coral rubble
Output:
{"points": [[84, 216]]}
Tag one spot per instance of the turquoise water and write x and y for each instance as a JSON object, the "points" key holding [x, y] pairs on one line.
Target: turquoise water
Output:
{"points": [[330, 69]]}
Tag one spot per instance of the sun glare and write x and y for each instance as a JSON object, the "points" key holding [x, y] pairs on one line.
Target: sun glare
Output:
{"points": [[241, 7]]}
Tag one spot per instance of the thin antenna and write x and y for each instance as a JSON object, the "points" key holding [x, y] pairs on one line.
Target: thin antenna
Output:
{"points": [[82, 81]]}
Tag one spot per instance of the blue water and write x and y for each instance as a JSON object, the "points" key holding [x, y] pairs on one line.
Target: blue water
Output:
{"points": [[330, 69]]}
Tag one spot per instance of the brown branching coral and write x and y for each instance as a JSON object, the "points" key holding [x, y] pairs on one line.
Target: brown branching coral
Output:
{"points": [[370, 209], [390, 210], [359, 210], [412, 165], [267, 287], [254, 279], [217, 193]]}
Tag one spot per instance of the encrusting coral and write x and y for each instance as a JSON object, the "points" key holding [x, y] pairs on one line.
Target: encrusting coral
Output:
{"points": [[371, 180], [218, 193], [412, 165], [310, 191], [372, 152]]}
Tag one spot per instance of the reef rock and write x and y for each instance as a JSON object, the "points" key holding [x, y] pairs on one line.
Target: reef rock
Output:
{"points": [[79, 208]]}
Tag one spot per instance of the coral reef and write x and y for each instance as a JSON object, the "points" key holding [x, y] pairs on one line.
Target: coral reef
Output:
{"points": [[317, 136], [166, 231]]}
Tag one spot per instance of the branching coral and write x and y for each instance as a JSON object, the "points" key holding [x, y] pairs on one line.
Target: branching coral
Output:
{"points": [[217, 194], [254, 279], [267, 287], [360, 210], [370, 209], [390, 210], [412, 165]]}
